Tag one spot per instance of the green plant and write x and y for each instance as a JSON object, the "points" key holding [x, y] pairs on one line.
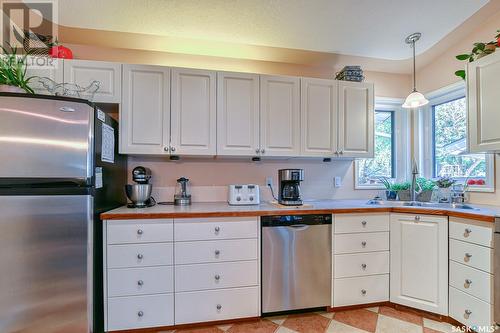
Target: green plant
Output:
{"points": [[425, 184], [13, 70], [479, 50], [445, 182], [401, 186], [387, 184]]}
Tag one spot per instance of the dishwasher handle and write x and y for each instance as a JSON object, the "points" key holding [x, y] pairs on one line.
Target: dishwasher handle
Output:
{"points": [[299, 226]]}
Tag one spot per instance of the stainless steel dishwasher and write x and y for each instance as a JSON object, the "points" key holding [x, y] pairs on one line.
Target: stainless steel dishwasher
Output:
{"points": [[296, 262]]}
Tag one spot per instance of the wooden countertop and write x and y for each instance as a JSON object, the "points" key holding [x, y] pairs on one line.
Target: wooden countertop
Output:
{"points": [[222, 209]]}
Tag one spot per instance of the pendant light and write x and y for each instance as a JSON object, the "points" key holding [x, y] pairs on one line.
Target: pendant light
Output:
{"points": [[415, 99]]}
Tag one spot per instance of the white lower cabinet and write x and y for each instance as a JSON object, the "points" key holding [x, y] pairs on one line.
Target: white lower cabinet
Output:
{"points": [[140, 281], [361, 290], [469, 310], [419, 262]]}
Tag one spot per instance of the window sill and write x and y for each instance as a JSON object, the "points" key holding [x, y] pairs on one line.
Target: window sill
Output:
{"points": [[480, 189], [369, 187]]}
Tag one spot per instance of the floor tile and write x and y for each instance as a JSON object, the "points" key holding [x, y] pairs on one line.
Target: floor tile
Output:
{"points": [[438, 326], [224, 327], [258, 326], [430, 330], [283, 329], [338, 327], [361, 318], [325, 314], [373, 309], [208, 329], [277, 319], [401, 315], [387, 324], [307, 323]]}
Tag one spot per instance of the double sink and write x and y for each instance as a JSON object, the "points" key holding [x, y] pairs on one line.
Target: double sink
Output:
{"points": [[376, 202]]}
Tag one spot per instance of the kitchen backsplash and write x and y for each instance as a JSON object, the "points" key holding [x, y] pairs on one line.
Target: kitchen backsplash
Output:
{"points": [[209, 177]]}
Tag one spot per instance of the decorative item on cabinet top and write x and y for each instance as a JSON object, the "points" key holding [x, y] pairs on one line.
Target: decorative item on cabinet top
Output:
{"points": [[70, 89]]}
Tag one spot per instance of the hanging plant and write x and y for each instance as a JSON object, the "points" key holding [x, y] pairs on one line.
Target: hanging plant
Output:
{"points": [[478, 51]]}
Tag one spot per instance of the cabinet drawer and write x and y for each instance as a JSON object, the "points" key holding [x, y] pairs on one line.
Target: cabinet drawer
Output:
{"points": [[469, 310], [140, 312], [216, 276], [215, 228], [361, 290], [361, 223], [473, 233], [140, 281], [473, 255], [349, 265], [471, 281], [361, 242], [137, 255], [139, 231], [201, 306], [215, 251]]}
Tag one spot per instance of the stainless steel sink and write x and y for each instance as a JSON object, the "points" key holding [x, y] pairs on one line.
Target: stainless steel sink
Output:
{"points": [[376, 202]]}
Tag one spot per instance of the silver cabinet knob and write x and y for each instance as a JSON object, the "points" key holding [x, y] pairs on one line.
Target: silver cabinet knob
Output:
{"points": [[140, 282], [140, 232], [217, 277], [467, 283], [257, 150], [363, 291], [172, 149], [467, 256], [262, 150], [363, 243], [467, 314], [467, 232], [217, 252], [363, 266], [217, 229], [219, 306], [140, 314], [140, 256], [417, 218], [363, 223], [166, 148]]}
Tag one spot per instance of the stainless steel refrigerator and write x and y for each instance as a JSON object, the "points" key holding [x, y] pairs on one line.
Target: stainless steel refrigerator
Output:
{"points": [[59, 169]]}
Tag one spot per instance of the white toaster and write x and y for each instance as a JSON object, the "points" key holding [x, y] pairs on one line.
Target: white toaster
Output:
{"points": [[243, 194]]}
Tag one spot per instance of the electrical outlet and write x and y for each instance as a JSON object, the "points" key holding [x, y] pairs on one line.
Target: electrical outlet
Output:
{"points": [[337, 182], [269, 181]]}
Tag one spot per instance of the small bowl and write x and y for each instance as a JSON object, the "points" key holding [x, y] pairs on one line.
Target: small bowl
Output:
{"points": [[139, 194]]}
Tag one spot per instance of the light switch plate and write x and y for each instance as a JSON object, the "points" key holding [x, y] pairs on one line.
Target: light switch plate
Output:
{"points": [[337, 182]]}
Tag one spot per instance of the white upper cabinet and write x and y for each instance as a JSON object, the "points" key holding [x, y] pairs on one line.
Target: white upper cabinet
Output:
{"points": [[483, 85], [109, 75], [44, 67], [237, 114], [419, 262], [319, 120], [145, 111], [279, 116], [356, 119], [193, 112]]}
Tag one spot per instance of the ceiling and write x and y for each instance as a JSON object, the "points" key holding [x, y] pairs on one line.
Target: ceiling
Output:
{"points": [[369, 28]]}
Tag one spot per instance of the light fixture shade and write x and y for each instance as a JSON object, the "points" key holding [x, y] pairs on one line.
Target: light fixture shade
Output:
{"points": [[415, 100]]}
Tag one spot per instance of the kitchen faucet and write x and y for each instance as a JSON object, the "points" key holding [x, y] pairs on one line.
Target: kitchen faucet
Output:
{"points": [[413, 187]]}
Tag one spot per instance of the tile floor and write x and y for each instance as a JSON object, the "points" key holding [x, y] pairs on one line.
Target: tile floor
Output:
{"points": [[375, 320]]}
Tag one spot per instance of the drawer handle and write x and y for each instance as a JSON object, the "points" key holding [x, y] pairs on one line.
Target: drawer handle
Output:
{"points": [[363, 223], [363, 292], [467, 256], [217, 229], [140, 314], [363, 244], [217, 252], [139, 231], [140, 256], [219, 306], [467, 314], [217, 277], [467, 283], [140, 282], [363, 266], [417, 218], [467, 232]]}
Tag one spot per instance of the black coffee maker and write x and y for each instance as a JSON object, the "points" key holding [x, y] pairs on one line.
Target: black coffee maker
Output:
{"points": [[289, 186]]}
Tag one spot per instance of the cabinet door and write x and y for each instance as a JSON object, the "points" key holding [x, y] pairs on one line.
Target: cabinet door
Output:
{"points": [[193, 113], [279, 116], [419, 262], [108, 74], [482, 103], [145, 111], [43, 67], [237, 114], [356, 119], [318, 117]]}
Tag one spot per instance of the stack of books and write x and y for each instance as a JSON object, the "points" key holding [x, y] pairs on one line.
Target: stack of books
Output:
{"points": [[350, 73]]}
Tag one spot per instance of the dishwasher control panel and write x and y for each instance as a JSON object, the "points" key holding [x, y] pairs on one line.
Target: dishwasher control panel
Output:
{"points": [[287, 220]]}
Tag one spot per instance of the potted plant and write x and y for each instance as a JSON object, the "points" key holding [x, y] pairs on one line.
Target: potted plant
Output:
{"points": [[390, 193], [13, 72], [478, 51], [426, 187], [444, 185], [403, 190]]}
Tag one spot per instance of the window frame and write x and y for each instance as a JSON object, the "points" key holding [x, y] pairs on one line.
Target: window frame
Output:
{"points": [[400, 147], [426, 136]]}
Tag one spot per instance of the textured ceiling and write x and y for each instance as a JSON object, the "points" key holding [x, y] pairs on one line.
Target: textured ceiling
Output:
{"points": [[370, 28]]}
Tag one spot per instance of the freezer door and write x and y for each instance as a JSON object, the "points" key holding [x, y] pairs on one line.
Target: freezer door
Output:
{"points": [[45, 138], [45, 260]]}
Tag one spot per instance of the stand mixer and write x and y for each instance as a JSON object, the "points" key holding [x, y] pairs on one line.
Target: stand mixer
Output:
{"points": [[140, 193]]}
